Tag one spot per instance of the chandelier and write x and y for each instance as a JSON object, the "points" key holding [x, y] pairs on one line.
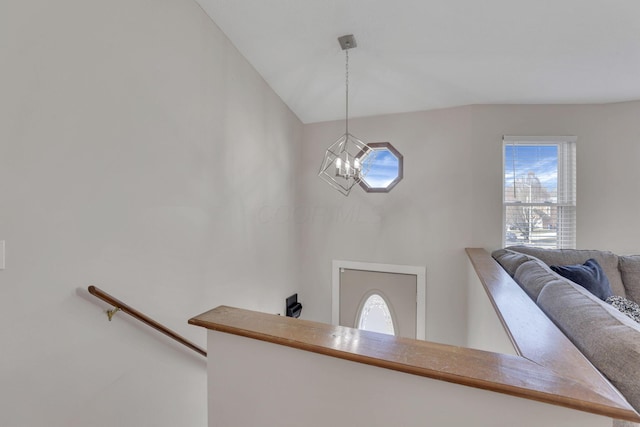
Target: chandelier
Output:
{"points": [[348, 160]]}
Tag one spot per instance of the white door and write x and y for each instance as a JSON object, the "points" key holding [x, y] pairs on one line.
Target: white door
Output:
{"points": [[379, 297]]}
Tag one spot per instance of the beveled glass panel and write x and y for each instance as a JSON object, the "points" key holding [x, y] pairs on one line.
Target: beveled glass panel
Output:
{"points": [[375, 316]]}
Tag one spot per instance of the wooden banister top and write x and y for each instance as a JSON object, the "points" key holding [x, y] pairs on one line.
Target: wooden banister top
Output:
{"points": [[509, 374], [532, 333], [534, 336]]}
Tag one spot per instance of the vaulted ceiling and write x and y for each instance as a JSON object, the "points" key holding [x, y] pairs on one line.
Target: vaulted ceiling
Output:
{"points": [[417, 55]]}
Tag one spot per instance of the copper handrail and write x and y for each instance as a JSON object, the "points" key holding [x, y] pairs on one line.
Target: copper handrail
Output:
{"points": [[119, 305]]}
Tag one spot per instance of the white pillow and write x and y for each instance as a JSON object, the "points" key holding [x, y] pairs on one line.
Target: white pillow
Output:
{"points": [[625, 306]]}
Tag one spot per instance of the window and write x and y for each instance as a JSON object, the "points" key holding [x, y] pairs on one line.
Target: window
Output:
{"points": [[375, 316], [385, 171], [539, 191]]}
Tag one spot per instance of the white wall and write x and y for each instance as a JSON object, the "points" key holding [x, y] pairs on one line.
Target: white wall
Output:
{"points": [[424, 220], [288, 387], [138, 152], [450, 197], [485, 330], [608, 150], [141, 153]]}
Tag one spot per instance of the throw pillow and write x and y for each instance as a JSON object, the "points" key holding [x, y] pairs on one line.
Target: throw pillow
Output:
{"points": [[588, 275], [625, 306]]}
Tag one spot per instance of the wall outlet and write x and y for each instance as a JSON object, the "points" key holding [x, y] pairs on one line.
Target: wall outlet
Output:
{"points": [[1, 254]]}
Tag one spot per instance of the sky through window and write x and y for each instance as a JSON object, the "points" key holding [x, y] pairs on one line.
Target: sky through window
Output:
{"points": [[383, 170], [542, 160]]}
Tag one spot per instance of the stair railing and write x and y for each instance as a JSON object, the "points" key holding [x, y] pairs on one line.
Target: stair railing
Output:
{"points": [[125, 308]]}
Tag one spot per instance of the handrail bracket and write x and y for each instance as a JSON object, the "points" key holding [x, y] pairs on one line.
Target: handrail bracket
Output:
{"points": [[112, 312]]}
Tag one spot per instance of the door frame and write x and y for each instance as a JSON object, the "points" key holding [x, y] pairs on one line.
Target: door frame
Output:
{"points": [[421, 287]]}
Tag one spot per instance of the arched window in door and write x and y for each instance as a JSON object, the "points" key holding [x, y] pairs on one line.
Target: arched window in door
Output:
{"points": [[375, 315]]}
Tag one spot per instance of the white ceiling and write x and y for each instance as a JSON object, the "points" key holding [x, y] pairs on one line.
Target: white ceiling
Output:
{"points": [[417, 55]]}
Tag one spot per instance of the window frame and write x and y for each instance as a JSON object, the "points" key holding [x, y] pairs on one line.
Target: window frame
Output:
{"points": [[566, 198]]}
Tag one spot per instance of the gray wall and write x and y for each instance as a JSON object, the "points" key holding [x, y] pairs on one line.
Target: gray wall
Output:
{"points": [[451, 197], [140, 152], [137, 150]]}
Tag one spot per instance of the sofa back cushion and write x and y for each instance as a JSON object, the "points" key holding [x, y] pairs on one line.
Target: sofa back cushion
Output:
{"points": [[606, 337], [510, 260], [630, 271], [534, 275], [607, 260]]}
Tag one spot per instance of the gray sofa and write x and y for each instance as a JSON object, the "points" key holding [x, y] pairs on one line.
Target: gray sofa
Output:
{"points": [[607, 337]]}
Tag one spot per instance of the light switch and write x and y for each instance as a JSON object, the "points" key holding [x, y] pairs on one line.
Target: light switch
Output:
{"points": [[1, 254]]}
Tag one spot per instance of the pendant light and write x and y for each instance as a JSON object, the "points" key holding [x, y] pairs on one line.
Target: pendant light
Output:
{"points": [[348, 160]]}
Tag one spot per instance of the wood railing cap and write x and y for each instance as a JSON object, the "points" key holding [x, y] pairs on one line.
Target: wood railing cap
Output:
{"points": [[509, 374]]}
